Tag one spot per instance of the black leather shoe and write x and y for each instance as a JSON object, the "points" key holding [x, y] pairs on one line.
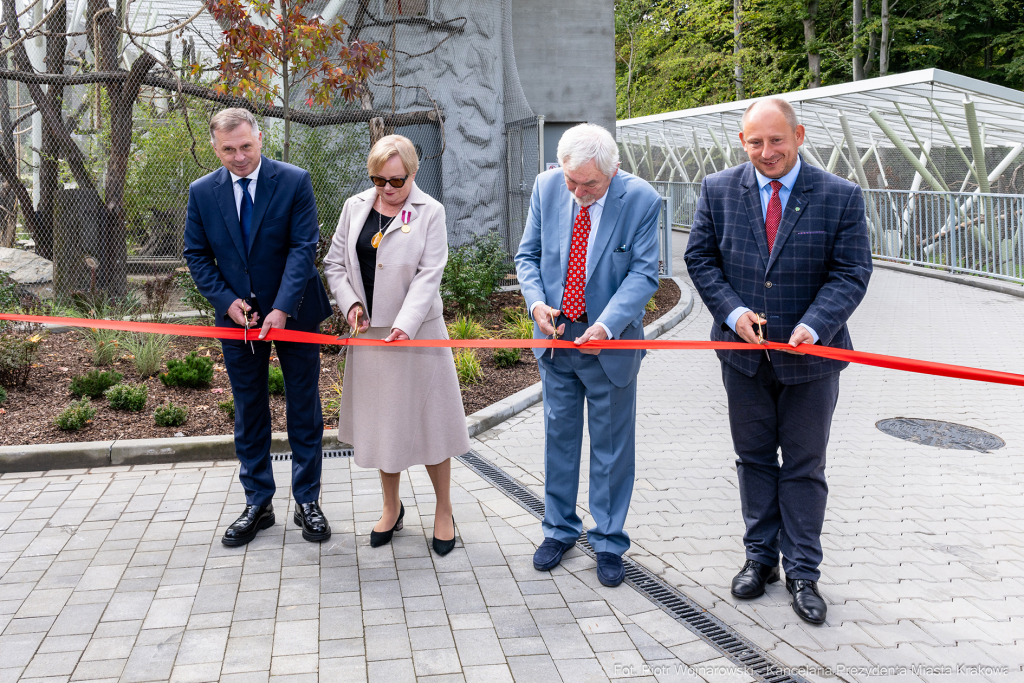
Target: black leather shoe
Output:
{"points": [[610, 571], [807, 601], [442, 548], [750, 582], [310, 518], [549, 554], [253, 520], [379, 538]]}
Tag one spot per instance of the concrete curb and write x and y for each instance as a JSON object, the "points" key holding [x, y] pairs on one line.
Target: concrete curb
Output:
{"points": [[969, 280], [88, 454]]}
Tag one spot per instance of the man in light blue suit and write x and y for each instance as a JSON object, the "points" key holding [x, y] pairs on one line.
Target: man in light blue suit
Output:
{"points": [[588, 265]]}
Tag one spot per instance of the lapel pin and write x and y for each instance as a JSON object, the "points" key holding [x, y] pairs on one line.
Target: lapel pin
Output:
{"points": [[797, 208]]}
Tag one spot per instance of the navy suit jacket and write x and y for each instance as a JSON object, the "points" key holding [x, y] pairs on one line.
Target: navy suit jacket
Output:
{"points": [[279, 266], [817, 272]]}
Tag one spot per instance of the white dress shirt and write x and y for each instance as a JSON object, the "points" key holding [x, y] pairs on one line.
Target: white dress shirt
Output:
{"points": [[596, 209], [237, 188]]}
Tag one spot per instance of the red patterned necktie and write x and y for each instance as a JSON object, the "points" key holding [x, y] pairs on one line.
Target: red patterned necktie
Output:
{"points": [[574, 301], [774, 214]]}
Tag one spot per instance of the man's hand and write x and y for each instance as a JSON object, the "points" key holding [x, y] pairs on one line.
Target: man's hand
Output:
{"points": [[277, 318], [800, 336], [397, 335], [357, 320], [237, 311], [545, 315], [746, 326], [593, 333]]}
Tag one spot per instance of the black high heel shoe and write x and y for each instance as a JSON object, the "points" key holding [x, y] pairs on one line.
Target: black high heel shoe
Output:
{"points": [[379, 538], [442, 548]]}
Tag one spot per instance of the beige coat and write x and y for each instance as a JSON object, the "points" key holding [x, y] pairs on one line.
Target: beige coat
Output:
{"points": [[399, 407]]}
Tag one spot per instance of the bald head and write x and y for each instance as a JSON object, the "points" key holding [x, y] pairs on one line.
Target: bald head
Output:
{"points": [[774, 103], [771, 136]]}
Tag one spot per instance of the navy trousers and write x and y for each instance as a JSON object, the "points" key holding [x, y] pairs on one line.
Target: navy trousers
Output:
{"points": [[783, 505], [248, 370], [569, 380]]}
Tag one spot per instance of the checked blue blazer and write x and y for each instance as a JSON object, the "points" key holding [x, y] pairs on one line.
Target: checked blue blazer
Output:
{"points": [[816, 274]]}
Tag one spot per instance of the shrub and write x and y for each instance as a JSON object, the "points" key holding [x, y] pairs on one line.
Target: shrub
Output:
{"points": [[147, 351], [506, 358], [192, 373], [103, 345], [276, 381], [170, 415], [228, 408], [466, 328], [16, 356], [473, 272], [3, 395], [158, 294], [651, 305], [190, 295], [131, 397], [517, 325], [9, 302], [468, 366], [75, 415], [94, 383]]}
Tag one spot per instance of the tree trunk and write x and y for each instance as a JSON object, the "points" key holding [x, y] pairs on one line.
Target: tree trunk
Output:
{"points": [[629, 78], [883, 43], [287, 107], [813, 56], [49, 170], [737, 34], [988, 48], [8, 198], [869, 60], [858, 19]]}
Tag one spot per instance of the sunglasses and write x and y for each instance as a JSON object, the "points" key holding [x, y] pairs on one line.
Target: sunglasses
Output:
{"points": [[395, 182]]}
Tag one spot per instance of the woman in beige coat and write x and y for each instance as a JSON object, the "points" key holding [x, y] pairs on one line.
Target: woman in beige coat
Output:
{"points": [[399, 406]]}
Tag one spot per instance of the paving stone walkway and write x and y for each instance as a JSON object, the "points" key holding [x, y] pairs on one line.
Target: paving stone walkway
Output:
{"points": [[924, 548], [117, 574]]}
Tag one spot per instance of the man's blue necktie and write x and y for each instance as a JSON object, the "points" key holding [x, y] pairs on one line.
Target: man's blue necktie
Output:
{"points": [[245, 213]]}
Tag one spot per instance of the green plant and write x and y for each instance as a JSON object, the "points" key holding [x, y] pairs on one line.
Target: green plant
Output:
{"points": [[158, 294], [332, 409], [147, 351], [16, 356], [190, 293], [517, 324], [228, 408], [75, 415], [467, 365], [192, 373], [276, 381], [8, 297], [651, 305], [506, 358], [473, 272], [103, 345], [466, 328], [131, 397], [94, 383], [170, 415], [3, 395]]}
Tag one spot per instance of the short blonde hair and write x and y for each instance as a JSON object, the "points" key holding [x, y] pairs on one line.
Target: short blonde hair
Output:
{"points": [[229, 119], [387, 147]]}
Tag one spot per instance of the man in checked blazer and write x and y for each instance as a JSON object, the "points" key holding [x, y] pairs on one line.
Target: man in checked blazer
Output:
{"points": [[780, 248]]}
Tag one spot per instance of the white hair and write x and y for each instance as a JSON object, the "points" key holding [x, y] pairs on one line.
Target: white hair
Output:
{"points": [[585, 142]]}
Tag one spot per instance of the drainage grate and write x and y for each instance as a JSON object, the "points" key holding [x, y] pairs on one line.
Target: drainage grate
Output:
{"points": [[940, 434], [710, 628], [337, 453]]}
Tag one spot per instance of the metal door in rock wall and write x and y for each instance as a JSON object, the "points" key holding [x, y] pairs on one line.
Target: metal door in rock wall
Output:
{"points": [[520, 173], [428, 142]]}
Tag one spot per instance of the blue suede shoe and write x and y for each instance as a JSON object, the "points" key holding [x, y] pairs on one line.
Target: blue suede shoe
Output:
{"points": [[610, 571], [549, 554]]}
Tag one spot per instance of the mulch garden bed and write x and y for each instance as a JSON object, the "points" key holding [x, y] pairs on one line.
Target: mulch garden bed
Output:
{"points": [[27, 417]]}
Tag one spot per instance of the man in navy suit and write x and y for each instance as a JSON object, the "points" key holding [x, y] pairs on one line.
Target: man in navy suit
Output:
{"points": [[587, 265], [779, 249], [250, 243]]}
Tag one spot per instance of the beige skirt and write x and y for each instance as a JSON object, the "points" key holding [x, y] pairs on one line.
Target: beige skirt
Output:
{"points": [[402, 407]]}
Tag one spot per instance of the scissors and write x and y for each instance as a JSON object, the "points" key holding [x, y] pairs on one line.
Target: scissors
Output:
{"points": [[554, 331], [355, 329], [760, 338], [245, 330]]}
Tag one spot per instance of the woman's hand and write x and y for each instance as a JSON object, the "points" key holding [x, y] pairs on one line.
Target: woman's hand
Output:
{"points": [[356, 320], [397, 335]]}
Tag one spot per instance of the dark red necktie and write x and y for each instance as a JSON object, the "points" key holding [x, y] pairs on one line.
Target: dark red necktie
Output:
{"points": [[774, 214], [574, 301]]}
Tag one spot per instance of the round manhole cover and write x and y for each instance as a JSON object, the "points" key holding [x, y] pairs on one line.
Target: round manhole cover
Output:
{"points": [[940, 434]]}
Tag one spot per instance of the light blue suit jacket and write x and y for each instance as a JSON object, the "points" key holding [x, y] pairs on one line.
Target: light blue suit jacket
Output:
{"points": [[624, 270]]}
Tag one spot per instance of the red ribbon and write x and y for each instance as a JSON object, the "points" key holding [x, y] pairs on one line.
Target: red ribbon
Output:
{"points": [[276, 334]]}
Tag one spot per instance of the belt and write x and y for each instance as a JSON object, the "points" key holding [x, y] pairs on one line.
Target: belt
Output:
{"points": [[581, 319]]}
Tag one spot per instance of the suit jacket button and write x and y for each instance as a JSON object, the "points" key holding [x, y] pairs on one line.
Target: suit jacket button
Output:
{"points": [[768, 284], [380, 265]]}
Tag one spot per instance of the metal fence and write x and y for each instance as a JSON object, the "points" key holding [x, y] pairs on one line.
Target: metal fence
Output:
{"points": [[962, 232]]}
